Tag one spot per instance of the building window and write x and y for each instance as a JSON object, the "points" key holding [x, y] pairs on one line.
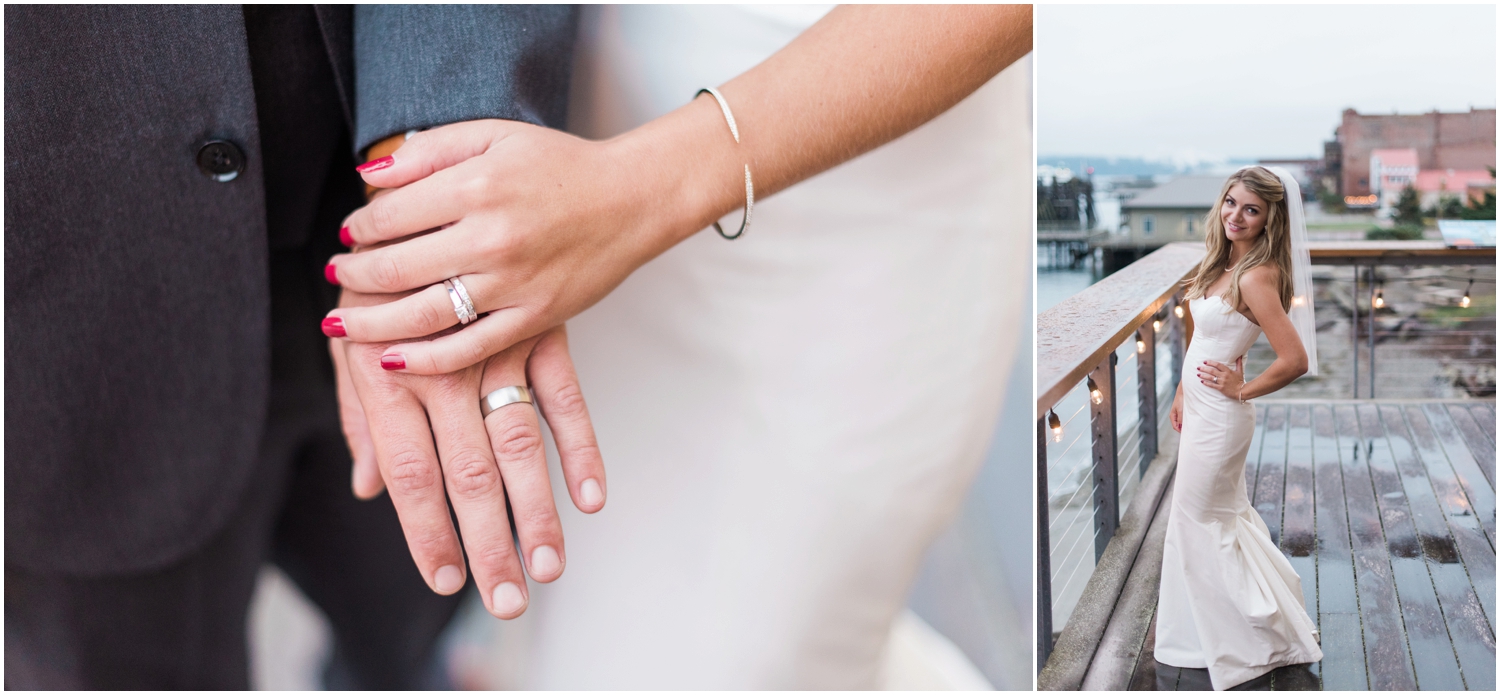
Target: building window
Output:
{"points": [[1190, 225], [1148, 224]]}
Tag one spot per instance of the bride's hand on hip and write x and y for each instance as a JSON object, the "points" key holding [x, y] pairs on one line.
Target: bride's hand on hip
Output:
{"points": [[1228, 379]]}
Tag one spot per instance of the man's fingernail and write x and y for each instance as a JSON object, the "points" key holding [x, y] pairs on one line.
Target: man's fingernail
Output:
{"points": [[331, 274], [385, 162], [392, 363], [448, 579], [590, 492], [333, 327], [507, 599], [544, 562], [345, 237]]}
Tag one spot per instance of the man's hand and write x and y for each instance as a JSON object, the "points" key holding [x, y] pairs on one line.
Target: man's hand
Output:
{"points": [[422, 437]]}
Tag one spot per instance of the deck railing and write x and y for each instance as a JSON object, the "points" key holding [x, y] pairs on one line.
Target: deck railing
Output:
{"points": [[1087, 475]]}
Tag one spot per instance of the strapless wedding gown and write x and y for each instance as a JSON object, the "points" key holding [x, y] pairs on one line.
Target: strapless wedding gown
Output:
{"points": [[790, 418], [1230, 601]]}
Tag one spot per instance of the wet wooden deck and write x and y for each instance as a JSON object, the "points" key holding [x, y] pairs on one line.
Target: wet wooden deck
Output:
{"points": [[1387, 511]]}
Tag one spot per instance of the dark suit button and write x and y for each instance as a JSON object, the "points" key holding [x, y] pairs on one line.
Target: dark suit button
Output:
{"points": [[220, 160]]}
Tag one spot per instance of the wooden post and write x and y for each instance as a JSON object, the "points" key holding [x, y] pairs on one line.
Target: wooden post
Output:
{"points": [[1146, 379], [1043, 551], [1106, 456]]}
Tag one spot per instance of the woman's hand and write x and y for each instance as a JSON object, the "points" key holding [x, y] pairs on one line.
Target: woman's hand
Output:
{"points": [[1177, 409], [424, 439], [542, 225], [1227, 379]]}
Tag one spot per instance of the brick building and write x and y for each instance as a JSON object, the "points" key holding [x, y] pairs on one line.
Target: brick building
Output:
{"points": [[1459, 141]]}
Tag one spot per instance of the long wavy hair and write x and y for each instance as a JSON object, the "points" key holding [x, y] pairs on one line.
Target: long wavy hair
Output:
{"points": [[1272, 247]]}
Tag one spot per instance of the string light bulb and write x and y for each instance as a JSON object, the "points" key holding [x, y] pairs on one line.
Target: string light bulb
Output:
{"points": [[1156, 325], [1467, 300], [1095, 394], [1054, 423], [1379, 301], [1140, 346], [1177, 310]]}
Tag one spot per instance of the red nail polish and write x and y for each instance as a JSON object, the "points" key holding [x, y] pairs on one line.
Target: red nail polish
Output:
{"points": [[331, 274], [345, 237], [392, 363], [333, 327], [385, 162]]}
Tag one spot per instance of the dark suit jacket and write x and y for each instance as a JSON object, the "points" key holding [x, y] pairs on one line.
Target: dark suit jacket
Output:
{"points": [[136, 286]]}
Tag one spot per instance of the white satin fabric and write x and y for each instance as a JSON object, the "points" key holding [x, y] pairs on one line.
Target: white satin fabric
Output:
{"points": [[787, 419], [1230, 601]]}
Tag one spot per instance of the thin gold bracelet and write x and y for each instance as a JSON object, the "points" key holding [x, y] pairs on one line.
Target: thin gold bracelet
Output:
{"points": [[749, 185]]}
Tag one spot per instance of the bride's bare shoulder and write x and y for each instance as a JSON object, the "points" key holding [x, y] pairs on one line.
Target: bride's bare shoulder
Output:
{"points": [[1266, 277]]}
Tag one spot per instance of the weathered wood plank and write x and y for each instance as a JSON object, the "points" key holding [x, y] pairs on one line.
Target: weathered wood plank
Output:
{"points": [[1468, 629], [1144, 677], [1271, 478], [1299, 534], [1297, 677], [1480, 445], [1426, 632], [1484, 416], [1469, 543], [1343, 666], [1386, 653], [1480, 493]]}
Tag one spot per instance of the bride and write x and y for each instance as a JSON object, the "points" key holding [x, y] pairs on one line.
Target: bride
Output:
{"points": [[1230, 601]]}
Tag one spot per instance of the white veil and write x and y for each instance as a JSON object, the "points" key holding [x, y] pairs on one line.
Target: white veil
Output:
{"points": [[1301, 311]]}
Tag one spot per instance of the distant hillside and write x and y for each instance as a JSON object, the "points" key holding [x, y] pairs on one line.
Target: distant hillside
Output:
{"points": [[1140, 166]]}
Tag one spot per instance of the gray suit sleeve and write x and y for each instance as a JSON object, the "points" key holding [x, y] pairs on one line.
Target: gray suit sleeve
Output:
{"points": [[421, 66]]}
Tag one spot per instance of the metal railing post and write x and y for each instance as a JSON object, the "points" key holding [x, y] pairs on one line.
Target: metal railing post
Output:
{"points": [[1371, 329], [1354, 339], [1146, 390], [1106, 455], [1043, 552], [1179, 342]]}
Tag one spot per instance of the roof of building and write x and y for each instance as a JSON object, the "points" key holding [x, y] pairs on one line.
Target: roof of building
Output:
{"points": [[1404, 157], [1450, 180], [1198, 192]]}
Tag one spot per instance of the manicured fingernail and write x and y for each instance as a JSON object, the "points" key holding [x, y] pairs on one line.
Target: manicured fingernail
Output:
{"points": [[507, 599], [331, 274], [385, 162], [333, 327], [544, 562], [392, 363], [448, 579], [590, 492], [345, 237]]}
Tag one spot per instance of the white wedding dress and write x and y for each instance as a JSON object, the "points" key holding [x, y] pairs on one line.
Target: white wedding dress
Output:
{"points": [[1230, 601], [787, 419]]}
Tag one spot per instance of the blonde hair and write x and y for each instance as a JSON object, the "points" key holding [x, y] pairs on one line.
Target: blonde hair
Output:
{"points": [[1273, 246]]}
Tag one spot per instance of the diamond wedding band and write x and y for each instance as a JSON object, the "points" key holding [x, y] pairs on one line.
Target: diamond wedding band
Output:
{"points": [[503, 396], [462, 305]]}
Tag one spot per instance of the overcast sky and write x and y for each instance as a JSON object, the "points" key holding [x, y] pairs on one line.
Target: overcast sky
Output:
{"points": [[1247, 81]]}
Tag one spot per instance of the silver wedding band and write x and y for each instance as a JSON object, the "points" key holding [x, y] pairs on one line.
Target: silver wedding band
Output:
{"points": [[463, 307], [503, 396]]}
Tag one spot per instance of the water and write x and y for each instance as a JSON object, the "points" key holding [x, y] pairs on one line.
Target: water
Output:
{"points": [[1053, 286]]}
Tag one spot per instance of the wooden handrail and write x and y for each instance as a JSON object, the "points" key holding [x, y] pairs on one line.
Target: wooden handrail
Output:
{"points": [[1072, 337]]}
